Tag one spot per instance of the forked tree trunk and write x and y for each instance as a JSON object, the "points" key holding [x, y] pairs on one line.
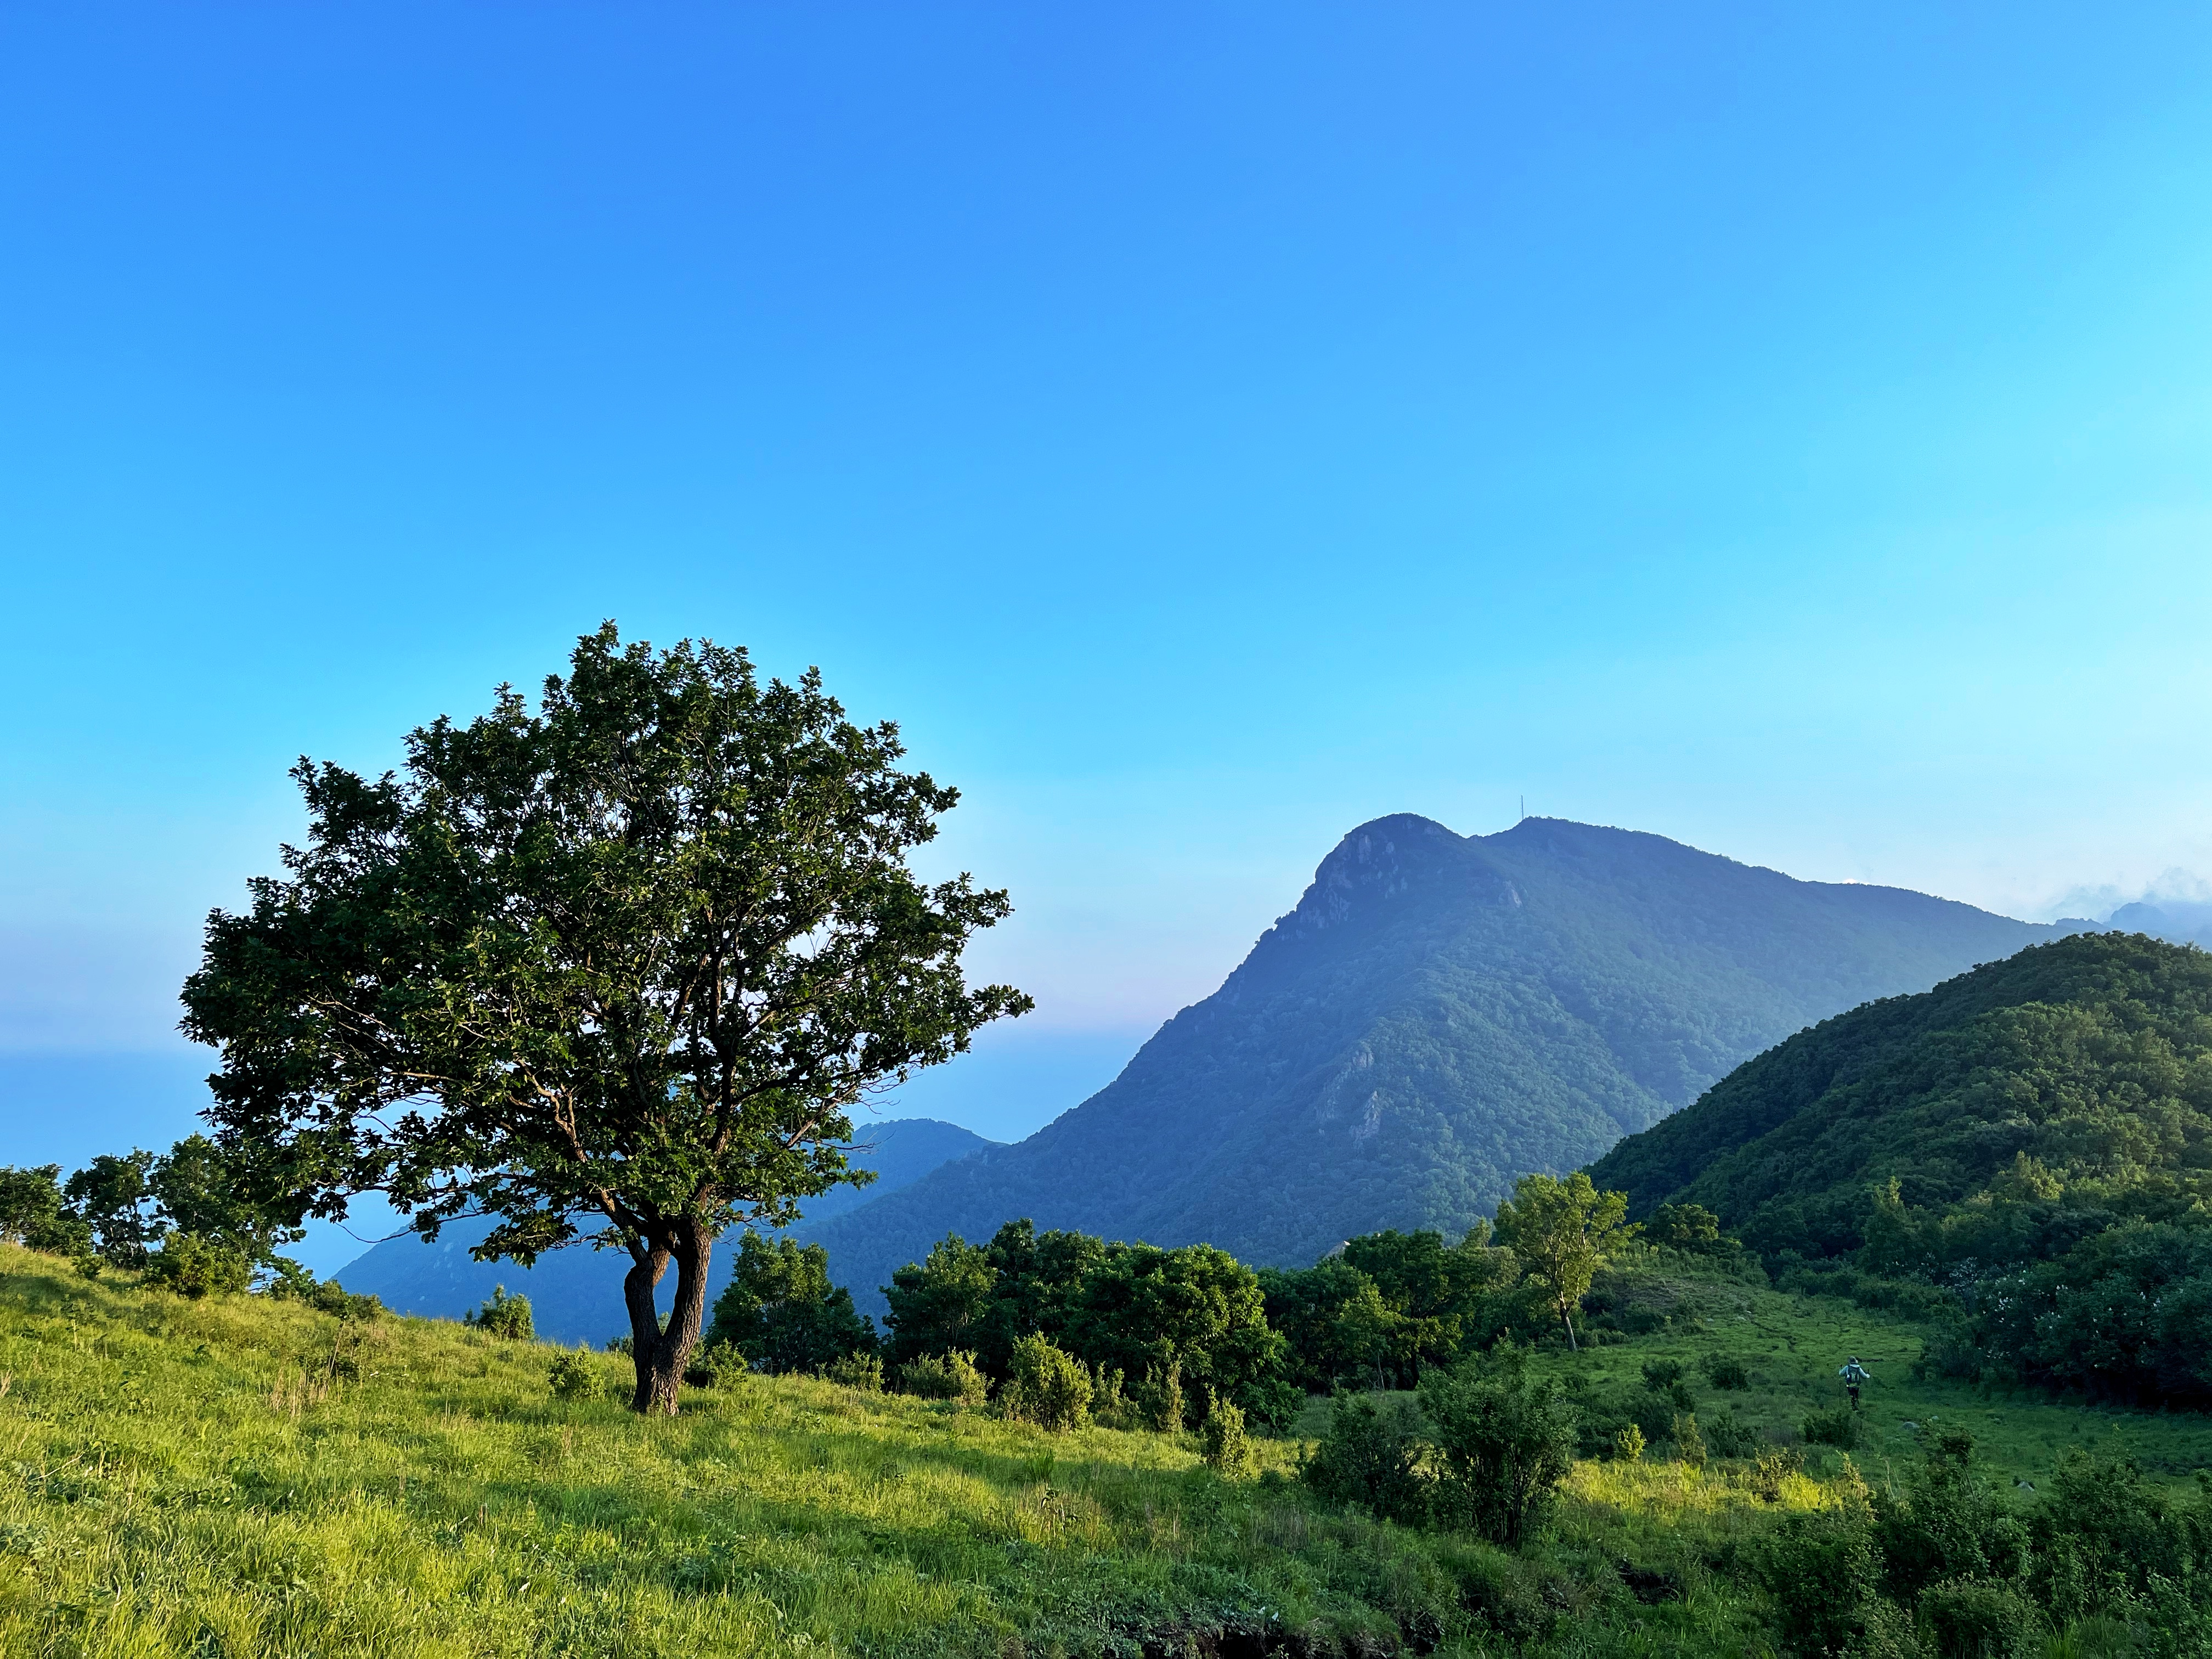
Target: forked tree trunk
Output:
{"points": [[1568, 1320], [660, 1356]]}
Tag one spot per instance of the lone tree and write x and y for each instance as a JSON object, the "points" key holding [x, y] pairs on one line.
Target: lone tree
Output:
{"points": [[1562, 1232], [616, 969]]}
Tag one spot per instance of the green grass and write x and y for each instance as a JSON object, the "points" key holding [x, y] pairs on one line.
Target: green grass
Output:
{"points": [[240, 1478], [1792, 1345]]}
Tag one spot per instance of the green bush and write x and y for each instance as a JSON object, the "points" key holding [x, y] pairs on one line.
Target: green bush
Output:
{"points": [[1223, 1442], [1839, 1428], [1046, 1387], [1822, 1572], [574, 1376], [1109, 1407], [1503, 1440], [1371, 1454], [1628, 1445], [864, 1371], [944, 1376], [1689, 1445], [1159, 1398], [189, 1266], [716, 1366], [1978, 1619], [1725, 1371], [1729, 1436], [505, 1317], [1774, 1465]]}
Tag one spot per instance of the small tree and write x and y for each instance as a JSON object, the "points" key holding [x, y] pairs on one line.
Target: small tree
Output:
{"points": [[1223, 1442], [114, 1198], [1562, 1231], [1504, 1440], [1371, 1454], [34, 1214], [940, 1303], [782, 1313], [616, 968], [504, 1316], [1045, 1386]]}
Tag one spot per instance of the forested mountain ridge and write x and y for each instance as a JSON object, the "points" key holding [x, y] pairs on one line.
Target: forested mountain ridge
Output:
{"points": [[1438, 1015], [2091, 1056], [2028, 1146]]}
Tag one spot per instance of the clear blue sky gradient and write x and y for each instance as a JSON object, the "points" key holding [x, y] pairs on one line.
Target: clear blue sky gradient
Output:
{"points": [[1203, 428]]}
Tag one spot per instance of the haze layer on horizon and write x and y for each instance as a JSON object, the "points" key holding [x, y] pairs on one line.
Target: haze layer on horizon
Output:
{"points": [[1201, 432]]}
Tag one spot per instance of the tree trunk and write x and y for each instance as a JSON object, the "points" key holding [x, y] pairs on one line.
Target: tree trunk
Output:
{"points": [[661, 1355], [1568, 1320]]}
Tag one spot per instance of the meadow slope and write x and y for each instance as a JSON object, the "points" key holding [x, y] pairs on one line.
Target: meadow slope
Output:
{"points": [[239, 1478]]}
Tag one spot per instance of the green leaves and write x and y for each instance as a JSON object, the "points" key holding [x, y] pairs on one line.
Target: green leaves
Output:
{"points": [[617, 966], [1562, 1232]]}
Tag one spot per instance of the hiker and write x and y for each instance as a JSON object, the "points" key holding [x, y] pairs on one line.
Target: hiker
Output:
{"points": [[1853, 1374]]}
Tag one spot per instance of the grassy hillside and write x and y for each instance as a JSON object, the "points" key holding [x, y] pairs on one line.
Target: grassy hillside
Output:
{"points": [[1439, 1015], [241, 1478]]}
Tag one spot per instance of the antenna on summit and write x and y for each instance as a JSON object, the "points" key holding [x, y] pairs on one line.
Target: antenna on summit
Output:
{"points": [[1524, 806]]}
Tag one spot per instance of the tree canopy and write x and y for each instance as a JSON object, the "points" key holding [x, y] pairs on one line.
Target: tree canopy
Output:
{"points": [[1562, 1231], [614, 969]]}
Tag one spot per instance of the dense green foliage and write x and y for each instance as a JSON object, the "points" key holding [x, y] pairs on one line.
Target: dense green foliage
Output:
{"points": [[1191, 1320], [782, 1313], [196, 1218], [1562, 1233], [615, 967], [2030, 1145], [1437, 1017]]}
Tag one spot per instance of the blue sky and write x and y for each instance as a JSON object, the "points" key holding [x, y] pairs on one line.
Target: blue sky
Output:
{"points": [[1203, 428]]}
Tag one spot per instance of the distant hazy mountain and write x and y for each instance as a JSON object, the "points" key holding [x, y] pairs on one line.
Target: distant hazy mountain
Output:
{"points": [[2178, 921], [1438, 1016], [575, 1294]]}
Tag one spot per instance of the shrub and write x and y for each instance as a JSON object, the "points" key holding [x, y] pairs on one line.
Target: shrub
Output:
{"points": [[1978, 1619], [1504, 1440], [1822, 1570], [504, 1316], [189, 1266], [1371, 1455], [1725, 1371], [944, 1376], [1109, 1407], [1045, 1387], [1729, 1436], [574, 1376], [1628, 1445], [864, 1371], [1774, 1465], [1662, 1375], [1689, 1445], [1839, 1428], [1159, 1398], [716, 1366], [1225, 1445], [1272, 1403], [622, 1344], [290, 1282]]}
